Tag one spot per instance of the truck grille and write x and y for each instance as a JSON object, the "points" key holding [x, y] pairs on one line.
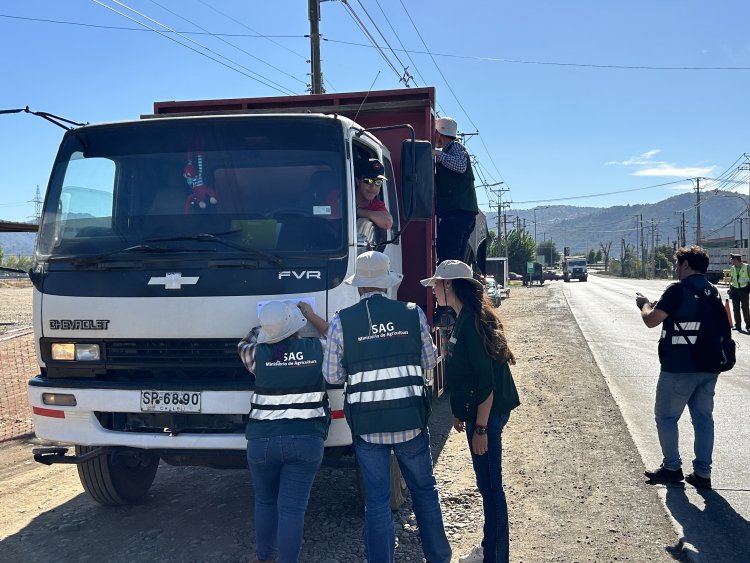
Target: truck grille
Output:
{"points": [[192, 353]]}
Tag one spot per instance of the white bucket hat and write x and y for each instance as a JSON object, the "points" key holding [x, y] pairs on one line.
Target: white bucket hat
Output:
{"points": [[451, 270], [279, 320], [374, 270], [446, 126]]}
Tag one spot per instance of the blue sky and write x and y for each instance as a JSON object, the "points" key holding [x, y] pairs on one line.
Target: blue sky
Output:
{"points": [[543, 81]]}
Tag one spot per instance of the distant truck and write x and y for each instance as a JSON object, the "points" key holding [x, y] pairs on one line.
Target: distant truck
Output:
{"points": [[574, 267], [719, 261]]}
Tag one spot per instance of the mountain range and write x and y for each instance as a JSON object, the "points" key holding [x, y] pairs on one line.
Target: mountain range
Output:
{"points": [[722, 214], [584, 228]]}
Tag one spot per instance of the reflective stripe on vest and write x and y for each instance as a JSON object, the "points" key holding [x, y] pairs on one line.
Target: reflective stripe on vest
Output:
{"points": [[289, 385], [408, 378]]}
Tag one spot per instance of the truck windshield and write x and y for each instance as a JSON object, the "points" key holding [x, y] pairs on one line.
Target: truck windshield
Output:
{"points": [[270, 184], [576, 263]]}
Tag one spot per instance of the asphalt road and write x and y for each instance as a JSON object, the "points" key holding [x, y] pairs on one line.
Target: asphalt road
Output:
{"points": [[714, 523]]}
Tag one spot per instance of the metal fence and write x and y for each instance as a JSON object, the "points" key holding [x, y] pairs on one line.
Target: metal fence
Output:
{"points": [[18, 363]]}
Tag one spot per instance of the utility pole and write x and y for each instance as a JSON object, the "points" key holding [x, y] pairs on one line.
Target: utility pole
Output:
{"points": [[316, 74], [746, 167], [698, 211], [643, 248]]}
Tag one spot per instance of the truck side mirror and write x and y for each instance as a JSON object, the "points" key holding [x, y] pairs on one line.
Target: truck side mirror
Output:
{"points": [[417, 180]]}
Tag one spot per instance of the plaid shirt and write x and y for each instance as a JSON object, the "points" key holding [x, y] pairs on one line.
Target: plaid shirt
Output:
{"points": [[454, 157], [334, 372]]}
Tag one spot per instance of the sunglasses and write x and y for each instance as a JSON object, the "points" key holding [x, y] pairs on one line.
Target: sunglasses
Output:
{"points": [[373, 181]]}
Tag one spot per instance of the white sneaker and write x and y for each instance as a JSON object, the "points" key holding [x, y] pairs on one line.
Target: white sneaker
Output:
{"points": [[476, 555]]}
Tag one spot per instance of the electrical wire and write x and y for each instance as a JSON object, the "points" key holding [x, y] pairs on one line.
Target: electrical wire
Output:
{"points": [[367, 33], [249, 54], [408, 54], [406, 76], [603, 193], [192, 48]]}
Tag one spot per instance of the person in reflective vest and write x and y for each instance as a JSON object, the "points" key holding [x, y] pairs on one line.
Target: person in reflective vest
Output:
{"points": [[739, 291], [287, 425], [381, 349], [681, 382]]}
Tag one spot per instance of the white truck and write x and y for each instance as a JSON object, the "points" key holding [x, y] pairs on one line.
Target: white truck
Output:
{"points": [[161, 238], [575, 267]]}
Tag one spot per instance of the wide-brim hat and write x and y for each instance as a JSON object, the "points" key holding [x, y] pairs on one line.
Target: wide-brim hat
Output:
{"points": [[451, 270], [279, 320], [738, 256], [446, 126], [373, 269]]}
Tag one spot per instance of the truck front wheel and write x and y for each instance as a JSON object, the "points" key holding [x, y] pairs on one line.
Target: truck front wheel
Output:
{"points": [[120, 477]]}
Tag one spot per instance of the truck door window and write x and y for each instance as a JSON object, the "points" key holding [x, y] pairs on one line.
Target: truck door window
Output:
{"points": [[392, 197]]}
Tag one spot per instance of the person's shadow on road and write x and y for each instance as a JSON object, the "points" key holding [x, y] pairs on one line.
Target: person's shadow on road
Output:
{"points": [[716, 531]]}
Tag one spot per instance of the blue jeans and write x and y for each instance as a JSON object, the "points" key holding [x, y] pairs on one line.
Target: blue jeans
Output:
{"points": [[415, 462], [673, 392], [283, 470], [489, 471]]}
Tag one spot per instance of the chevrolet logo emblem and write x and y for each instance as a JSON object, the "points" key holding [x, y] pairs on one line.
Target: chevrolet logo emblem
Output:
{"points": [[173, 280]]}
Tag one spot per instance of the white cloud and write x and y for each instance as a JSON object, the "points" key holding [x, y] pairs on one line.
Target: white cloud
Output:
{"points": [[643, 159], [666, 169], [650, 167]]}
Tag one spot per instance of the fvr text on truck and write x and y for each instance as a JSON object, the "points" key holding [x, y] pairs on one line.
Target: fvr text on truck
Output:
{"points": [[160, 240]]}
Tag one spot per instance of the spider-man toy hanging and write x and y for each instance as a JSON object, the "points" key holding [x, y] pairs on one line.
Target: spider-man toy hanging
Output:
{"points": [[201, 196]]}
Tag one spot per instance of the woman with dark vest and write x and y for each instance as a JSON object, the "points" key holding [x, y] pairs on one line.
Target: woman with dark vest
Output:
{"points": [[482, 394], [287, 425]]}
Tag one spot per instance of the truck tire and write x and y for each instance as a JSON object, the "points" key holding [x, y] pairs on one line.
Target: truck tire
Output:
{"points": [[399, 490], [583, 278], [116, 478], [566, 278]]}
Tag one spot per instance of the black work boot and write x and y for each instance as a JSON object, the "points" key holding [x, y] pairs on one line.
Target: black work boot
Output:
{"points": [[664, 475]]}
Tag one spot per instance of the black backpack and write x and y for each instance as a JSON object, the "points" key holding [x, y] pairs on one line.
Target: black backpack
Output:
{"points": [[713, 348]]}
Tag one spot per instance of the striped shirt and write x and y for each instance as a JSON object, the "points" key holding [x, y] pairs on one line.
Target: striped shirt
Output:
{"points": [[454, 157], [334, 372]]}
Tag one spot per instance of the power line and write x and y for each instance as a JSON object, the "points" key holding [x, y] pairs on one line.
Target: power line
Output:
{"points": [[408, 54], [372, 39], [229, 42], [603, 193], [139, 29], [406, 51], [192, 48]]}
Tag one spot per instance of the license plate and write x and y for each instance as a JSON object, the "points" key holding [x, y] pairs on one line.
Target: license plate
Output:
{"points": [[171, 401]]}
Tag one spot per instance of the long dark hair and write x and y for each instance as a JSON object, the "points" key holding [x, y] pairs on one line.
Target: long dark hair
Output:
{"points": [[486, 320]]}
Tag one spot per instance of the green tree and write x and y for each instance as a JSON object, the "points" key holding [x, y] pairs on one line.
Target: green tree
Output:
{"points": [[493, 244], [548, 249], [598, 256], [19, 262], [520, 250], [663, 260], [591, 256]]}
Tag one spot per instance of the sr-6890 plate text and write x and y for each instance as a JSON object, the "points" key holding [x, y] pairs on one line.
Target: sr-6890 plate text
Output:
{"points": [[170, 401]]}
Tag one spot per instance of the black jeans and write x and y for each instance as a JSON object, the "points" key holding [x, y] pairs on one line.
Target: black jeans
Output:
{"points": [[453, 232]]}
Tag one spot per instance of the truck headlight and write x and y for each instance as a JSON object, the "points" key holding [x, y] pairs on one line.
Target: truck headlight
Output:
{"points": [[82, 352]]}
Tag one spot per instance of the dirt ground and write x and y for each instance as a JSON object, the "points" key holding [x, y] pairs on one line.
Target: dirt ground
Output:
{"points": [[573, 479]]}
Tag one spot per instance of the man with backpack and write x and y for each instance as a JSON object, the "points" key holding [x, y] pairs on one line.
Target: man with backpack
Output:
{"points": [[696, 344]]}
